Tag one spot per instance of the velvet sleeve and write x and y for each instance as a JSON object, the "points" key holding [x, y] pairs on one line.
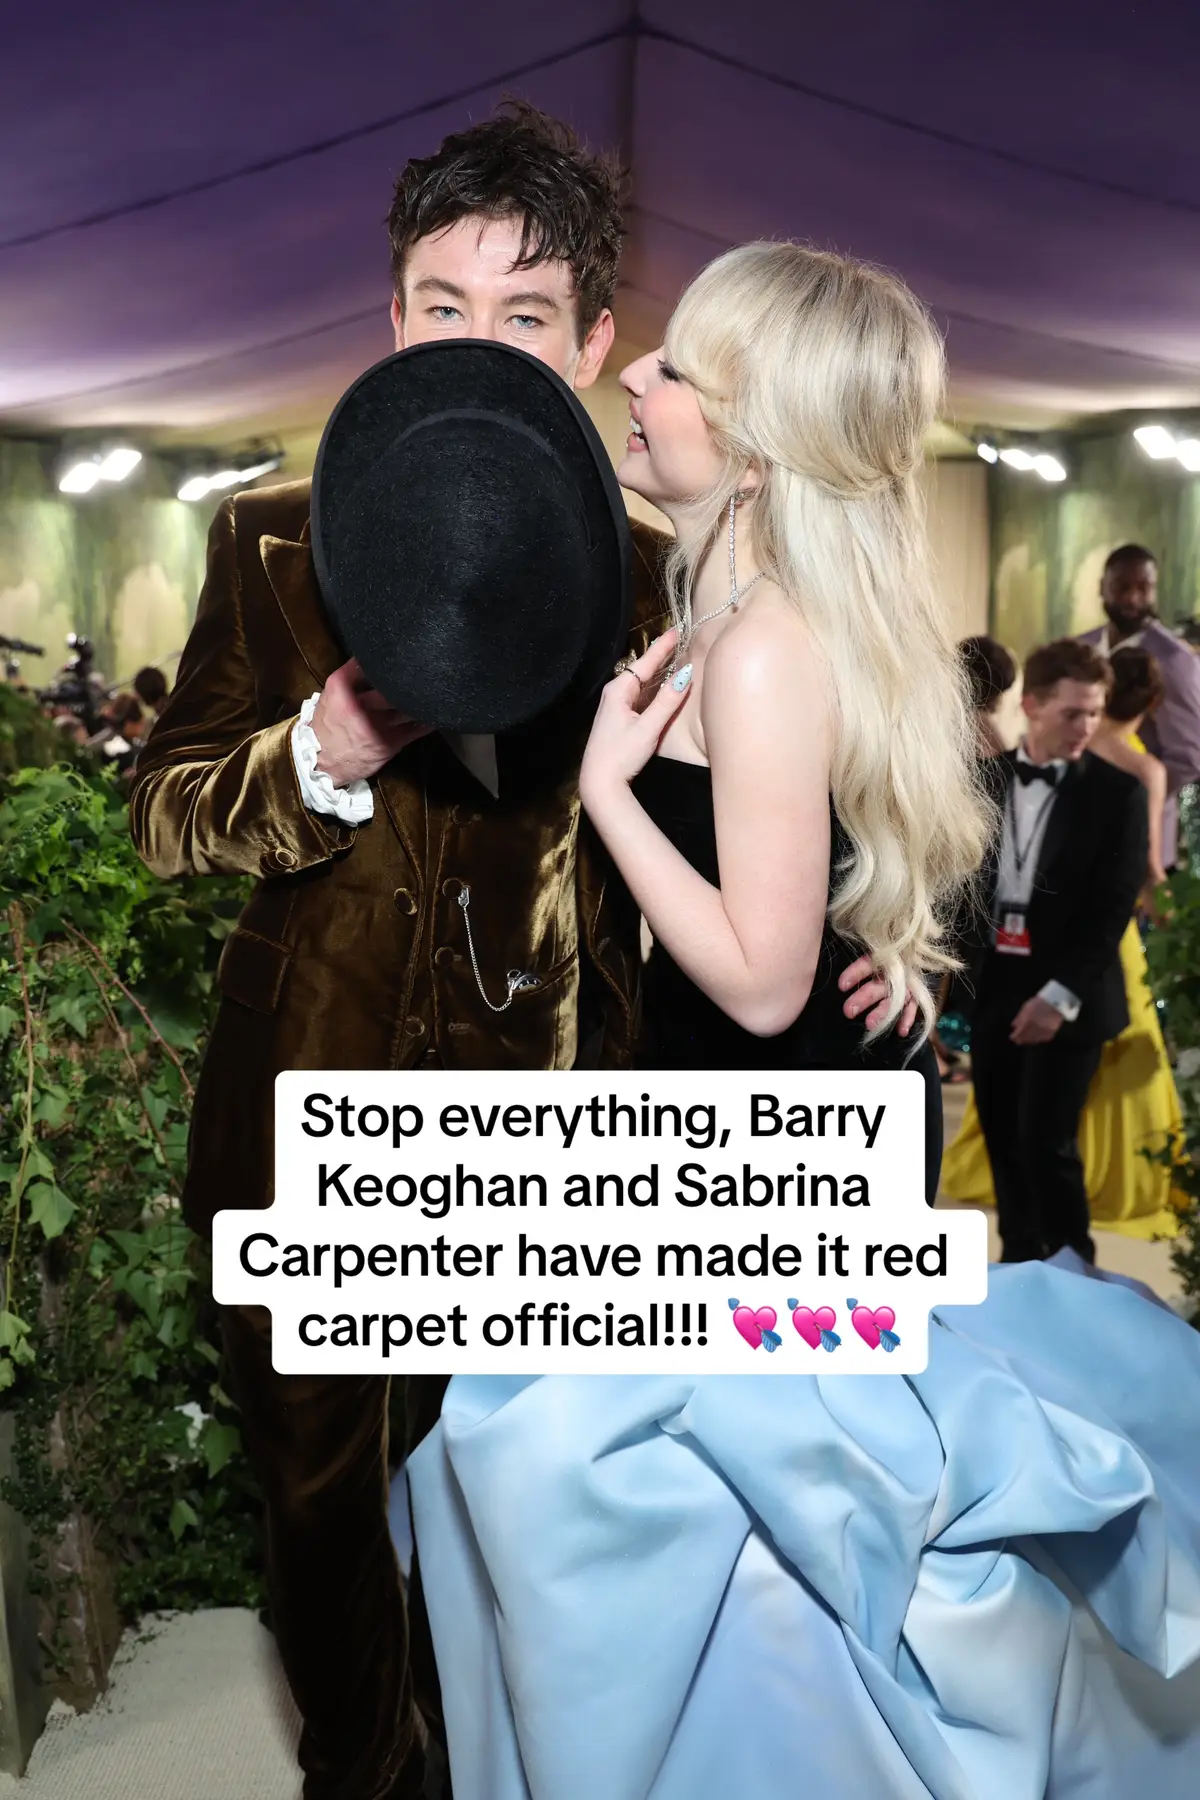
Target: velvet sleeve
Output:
{"points": [[216, 791]]}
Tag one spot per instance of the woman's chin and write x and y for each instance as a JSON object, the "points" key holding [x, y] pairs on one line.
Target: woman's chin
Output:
{"points": [[631, 473]]}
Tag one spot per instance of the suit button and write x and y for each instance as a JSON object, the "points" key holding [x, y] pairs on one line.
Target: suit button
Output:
{"points": [[445, 956], [415, 1027], [404, 901], [452, 888]]}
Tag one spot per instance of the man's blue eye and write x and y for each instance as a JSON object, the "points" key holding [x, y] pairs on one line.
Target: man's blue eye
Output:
{"points": [[526, 319]]}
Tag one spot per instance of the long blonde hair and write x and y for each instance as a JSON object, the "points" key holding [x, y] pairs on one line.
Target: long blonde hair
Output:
{"points": [[823, 375]]}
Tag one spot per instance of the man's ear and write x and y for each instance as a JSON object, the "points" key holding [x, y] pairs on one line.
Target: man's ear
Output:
{"points": [[1029, 705], [398, 322], [596, 346]]}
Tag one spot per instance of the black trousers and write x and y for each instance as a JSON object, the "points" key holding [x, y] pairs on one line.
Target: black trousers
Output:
{"points": [[1029, 1099]]}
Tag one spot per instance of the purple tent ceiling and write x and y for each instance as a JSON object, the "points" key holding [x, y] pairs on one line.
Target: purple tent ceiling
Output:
{"points": [[191, 216]]}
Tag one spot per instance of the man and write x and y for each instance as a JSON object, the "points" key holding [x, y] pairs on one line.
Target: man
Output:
{"points": [[352, 952], [1129, 591], [1060, 888]]}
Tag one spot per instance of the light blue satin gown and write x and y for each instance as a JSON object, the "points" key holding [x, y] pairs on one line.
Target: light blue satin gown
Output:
{"points": [[979, 1583]]}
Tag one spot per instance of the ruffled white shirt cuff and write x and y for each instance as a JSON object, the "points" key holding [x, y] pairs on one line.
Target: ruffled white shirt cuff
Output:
{"points": [[353, 804]]}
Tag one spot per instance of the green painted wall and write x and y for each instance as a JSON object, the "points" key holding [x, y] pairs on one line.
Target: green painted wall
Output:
{"points": [[123, 564], [1049, 544]]}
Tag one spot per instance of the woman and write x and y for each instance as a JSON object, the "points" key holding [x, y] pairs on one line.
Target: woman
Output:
{"points": [[1132, 1114], [991, 672], [684, 1589]]}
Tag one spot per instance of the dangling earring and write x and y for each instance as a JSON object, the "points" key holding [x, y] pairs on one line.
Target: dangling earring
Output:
{"points": [[735, 594]]}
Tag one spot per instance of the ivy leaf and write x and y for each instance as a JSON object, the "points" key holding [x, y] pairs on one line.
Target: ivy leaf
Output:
{"points": [[183, 1515], [219, 1443], [174, 1326], [144, 1364], [179, 1022], [38, 1167], [70, 1009], [9, 1019], [13, 1331], [157, 1107], [51, 1107], [50, 1209], [143, 1291]]}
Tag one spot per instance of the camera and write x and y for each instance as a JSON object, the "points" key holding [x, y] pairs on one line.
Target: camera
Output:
{"points": [[75, 689]]}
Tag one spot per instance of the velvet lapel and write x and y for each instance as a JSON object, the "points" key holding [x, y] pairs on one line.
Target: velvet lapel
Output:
{"points": [[293, 582]]}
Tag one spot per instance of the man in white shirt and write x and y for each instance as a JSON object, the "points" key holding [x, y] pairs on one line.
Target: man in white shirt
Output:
{"points": [[1129, 591], [1061, 888]]}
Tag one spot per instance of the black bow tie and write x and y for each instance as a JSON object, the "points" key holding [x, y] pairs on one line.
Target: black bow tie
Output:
{"points": [[1028, 772]]}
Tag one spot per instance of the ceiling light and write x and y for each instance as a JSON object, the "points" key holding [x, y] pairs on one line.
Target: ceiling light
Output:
{"points": [[80, 478], [1188, 452], [1050, 469], [1156, 441], [1017, 459], [989, 452], [119, 463], [197, 486]]}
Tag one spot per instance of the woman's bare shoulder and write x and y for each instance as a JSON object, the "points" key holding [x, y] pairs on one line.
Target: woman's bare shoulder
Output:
{"points": [[766, 670]]}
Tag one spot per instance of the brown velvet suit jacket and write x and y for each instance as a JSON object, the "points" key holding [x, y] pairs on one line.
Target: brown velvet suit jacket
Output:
{"points": [[352, 952]]}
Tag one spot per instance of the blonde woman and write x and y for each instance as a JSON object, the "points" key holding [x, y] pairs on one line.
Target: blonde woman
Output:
{"points": [[799, 788], [682, 1588]]}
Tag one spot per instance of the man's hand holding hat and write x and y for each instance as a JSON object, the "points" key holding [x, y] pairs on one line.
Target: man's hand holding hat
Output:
{"points": [[359, 733]]}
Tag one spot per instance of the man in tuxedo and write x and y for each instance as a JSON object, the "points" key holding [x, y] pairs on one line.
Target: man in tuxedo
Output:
{"points": [[1129, 592], [1060, 888]]}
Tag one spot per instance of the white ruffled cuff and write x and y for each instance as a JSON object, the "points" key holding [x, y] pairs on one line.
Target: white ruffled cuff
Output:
{"points": [[353, 804]]}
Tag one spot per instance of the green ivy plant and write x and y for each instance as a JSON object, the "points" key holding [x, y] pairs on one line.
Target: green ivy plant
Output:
{"points": [[109, 1359], [1173, 955]]}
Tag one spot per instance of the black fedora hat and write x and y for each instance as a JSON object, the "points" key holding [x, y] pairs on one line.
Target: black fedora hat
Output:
{"points": [[469, 536]]}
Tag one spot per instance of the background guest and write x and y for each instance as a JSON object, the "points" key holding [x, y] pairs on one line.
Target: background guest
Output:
{"points": [[150, 686], [1137, 692], [1061, 887], [1132, 1110], [1129, 591], [992, 673]]}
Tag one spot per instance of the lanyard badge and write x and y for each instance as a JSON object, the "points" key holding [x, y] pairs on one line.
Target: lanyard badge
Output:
{"points": [[1012, 929]]}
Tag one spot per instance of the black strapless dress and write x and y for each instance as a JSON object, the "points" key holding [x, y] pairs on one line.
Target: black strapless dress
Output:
{"points": [[682, 1027]]}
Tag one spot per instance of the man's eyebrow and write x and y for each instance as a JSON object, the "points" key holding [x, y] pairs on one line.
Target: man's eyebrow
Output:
{"points": [[533, 297], [433, 284]]}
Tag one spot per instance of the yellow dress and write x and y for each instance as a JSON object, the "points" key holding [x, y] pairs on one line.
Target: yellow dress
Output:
{"points": [[1132, 1106]]}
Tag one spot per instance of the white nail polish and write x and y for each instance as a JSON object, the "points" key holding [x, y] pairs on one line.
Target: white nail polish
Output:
{"points": [[679, 682]]}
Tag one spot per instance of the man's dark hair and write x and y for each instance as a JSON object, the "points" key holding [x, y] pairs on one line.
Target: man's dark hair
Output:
{"points": [[1137, 684], [991, 670], [1067, 659], [150, 686], [520, 164], [1125, 554]]}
